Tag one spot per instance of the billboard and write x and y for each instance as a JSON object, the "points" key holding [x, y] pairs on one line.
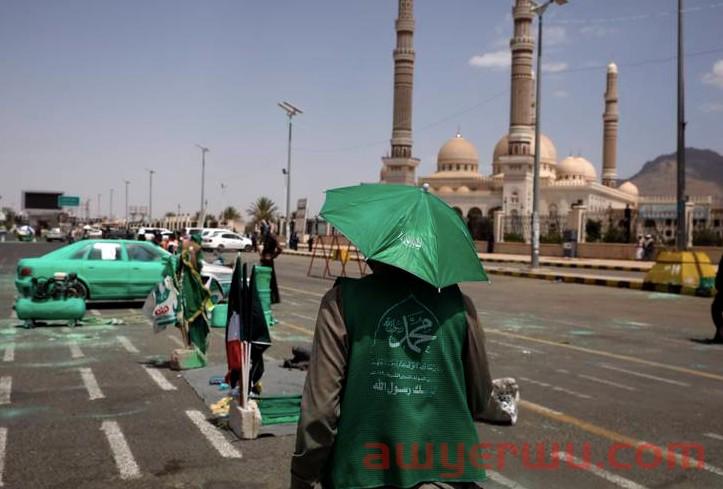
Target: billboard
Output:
{"points": [[41, 200]]}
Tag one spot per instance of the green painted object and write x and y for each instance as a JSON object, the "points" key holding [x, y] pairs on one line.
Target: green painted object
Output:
{"points": [[218, 316], [406, 227], [71, 309], [262, 275]]}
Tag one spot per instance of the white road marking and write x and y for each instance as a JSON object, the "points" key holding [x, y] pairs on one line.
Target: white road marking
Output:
{"points": [[126, 343], [3, 444], [9, 354], [715, 436], [604, 474], [91, 385], [518, 347], [75, 351], [6, 387], [214, 436], [607, 382], [645, 376], [295, 304], [159, 379], [303, 316], [127, 466], [503, 481], [95, 312], [176, 340], [556, 388]]}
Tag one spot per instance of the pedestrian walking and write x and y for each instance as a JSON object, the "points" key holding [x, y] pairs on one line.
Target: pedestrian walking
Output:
{"points": [[649, 248], [639, 248], [398, 359], [269, 251], [310, 243], [255, 241], [716, 309]]}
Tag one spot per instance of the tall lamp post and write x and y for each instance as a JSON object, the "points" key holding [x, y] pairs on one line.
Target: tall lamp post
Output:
{"points": [[539, 10], [150, 195], [126, 182], [681, 242], [110, 205], [202, 214], [291, 111]]}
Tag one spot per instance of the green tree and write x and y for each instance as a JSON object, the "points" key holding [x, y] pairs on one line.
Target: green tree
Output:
{"points": [[263, 209], [169, 214], [229, 214], [593, 230], [9, 217]]}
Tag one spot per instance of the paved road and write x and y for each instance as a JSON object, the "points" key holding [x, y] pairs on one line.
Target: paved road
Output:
{"points": [[596, 365]]}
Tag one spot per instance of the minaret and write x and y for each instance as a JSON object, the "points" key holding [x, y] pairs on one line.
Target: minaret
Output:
{"points": [[400, 166], [522, 46], [610, 128]]}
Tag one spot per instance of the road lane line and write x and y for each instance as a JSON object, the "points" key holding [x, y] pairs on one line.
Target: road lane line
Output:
{"points": [[6, 387], [292, 303], [651, 363], [644, 376], [503, 481], [301, 291], [9, 354], [296, 327], [75, 351], [613, 436], [213, 435], [517, 347], [95, 312], [91, 384], [127, 466], [604, 474], [607, 382], [303, 316], [556, 388], [159, 379], [3, 444], [126, 343], [715, 436]]}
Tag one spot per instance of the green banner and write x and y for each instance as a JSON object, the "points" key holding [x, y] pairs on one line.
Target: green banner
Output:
{"points": [[68, 201]]}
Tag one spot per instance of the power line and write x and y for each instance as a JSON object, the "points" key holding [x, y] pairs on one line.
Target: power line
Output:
{"points": [[634, 18]]}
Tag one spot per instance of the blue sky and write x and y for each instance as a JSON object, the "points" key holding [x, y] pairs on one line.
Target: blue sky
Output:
{"points": [[93, 92]]}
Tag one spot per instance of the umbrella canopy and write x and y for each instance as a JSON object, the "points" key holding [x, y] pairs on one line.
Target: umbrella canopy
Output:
{"points": [[408, 228]]}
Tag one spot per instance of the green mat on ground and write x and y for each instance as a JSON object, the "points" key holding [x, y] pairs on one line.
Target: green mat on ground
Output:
{"points": [[279, 410]]}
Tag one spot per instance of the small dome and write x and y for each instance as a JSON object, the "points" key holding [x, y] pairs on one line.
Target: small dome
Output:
{"points": [[629, 188], [445, 189], [576, 167], [548, 153], [612, 68], [457, 151], [464, 189]]}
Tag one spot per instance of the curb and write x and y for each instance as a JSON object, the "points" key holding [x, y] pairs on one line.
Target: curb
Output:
{"points": [[589, 266]]}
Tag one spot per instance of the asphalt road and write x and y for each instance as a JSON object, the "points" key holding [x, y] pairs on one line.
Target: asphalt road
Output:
{"points": [[597, 367]]}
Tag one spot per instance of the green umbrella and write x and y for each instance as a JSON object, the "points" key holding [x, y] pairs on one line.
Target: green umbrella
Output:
{"points": [[406, 227]]}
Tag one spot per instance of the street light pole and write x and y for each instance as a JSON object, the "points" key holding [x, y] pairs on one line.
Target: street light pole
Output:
{"points": [[110, 205], [681, 241], [291, 111], [126, 213], [202, 215], [150, 195], [535, 252]]}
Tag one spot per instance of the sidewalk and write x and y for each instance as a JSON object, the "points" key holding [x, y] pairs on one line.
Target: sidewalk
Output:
{"points": [[588, 263]]}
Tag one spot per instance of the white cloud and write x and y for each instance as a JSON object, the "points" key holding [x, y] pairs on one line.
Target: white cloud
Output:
{"points": [[554, 35], [715, 77], [495, 60], [712, 107], [554, 67], [560, 93], [597, 31]]}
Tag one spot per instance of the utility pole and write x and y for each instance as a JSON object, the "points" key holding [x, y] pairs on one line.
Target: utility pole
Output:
{"points": [[110, 205], [202, 214], [291, 111], [126, 182], [681, 241], [99, 212], [150, 195]]}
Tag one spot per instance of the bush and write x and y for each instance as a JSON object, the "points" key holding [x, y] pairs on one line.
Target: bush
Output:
{"points": [[706, 237], [614, 235], [593, 230], [514, 238], [553, 237]]}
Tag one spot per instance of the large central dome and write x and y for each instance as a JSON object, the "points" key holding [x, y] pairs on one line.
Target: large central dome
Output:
{"points": [[458, 154], [548, 153]]}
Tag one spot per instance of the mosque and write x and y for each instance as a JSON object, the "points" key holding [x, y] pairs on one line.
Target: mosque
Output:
{"points": [[572, 181]]}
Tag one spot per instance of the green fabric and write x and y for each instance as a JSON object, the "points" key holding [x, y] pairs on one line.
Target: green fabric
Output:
{"points": [[408, 228], [405, 384], [194, 298], [279, 410], [262, 277]]}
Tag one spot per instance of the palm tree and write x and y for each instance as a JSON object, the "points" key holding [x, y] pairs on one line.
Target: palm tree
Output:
{"points": [[263, 209], [229, 214]]}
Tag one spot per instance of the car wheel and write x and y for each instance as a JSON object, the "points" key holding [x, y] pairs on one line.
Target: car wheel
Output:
{"points": [[247, 248], [79, 290]]}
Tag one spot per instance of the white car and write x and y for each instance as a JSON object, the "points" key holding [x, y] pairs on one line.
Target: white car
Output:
{"points": [[150, 233], [226, 241]]}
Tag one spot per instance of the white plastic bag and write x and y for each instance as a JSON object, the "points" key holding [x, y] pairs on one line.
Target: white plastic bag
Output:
{"points": [[161, 305]]}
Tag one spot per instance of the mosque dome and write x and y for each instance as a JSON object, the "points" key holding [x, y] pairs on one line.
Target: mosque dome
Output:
{"points": [[445, 189], [548, 153], [576, 167], [629, 188], [458, 154], [464, 189]]}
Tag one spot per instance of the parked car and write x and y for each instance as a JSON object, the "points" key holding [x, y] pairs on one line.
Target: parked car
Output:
{"points": [[109, 269], [56, 234], [226, 241]]}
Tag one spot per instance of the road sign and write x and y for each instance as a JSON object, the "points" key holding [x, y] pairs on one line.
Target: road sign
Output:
{"points": [[68, 201]]}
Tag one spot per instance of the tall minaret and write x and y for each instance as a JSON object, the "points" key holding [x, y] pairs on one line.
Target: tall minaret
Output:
{"points": [[522, 46], [400, 166], [610, 128]]}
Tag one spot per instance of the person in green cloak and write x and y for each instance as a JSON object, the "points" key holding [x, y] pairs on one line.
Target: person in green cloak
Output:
{"points": [[193, 296]]}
